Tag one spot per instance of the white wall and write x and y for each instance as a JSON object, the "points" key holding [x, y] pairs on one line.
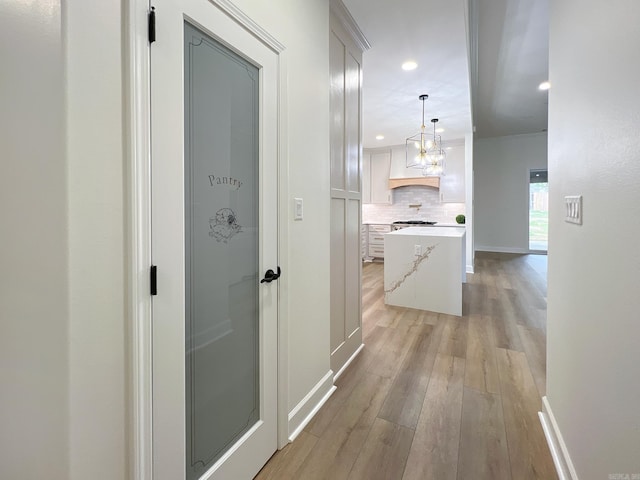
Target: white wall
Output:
{"points": [[501, 190], [97, 364], [470, 203], [34, 330], [303, 28], [307, 41], [593, 366]]}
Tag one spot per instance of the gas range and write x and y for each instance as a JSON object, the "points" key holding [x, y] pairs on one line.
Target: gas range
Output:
{"points": [[410, 223]]}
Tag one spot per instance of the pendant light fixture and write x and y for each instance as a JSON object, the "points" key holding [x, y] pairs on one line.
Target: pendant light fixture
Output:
{"points": [[423, 152]]}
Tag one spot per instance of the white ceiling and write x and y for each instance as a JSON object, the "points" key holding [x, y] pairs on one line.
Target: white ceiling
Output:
{"points": [[511, 41]]}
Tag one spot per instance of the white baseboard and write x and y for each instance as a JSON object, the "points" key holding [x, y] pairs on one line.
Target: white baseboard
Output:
{"points": [[304, 411], [501, 249], [470, 269], [559, 452], [348, 362]]}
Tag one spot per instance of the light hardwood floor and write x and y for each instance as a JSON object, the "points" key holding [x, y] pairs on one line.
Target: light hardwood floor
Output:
{"points": [[435, 396]]}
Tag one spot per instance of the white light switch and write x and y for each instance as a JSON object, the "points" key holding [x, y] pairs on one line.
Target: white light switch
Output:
{"points": [[573, 209], [297, 209]]}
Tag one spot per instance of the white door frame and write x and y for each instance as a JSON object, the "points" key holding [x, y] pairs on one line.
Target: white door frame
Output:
{"points": [[138, 243]]}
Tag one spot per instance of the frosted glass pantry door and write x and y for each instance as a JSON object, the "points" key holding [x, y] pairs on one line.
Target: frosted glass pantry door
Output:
{"points": [[214, 234], [221, 248]]}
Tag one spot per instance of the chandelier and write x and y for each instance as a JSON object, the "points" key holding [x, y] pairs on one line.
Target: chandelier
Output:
{"points": [[424, 152]]}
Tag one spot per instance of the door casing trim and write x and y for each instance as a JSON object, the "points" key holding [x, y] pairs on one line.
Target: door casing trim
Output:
{"points": [[138, 248], [137, 129]]}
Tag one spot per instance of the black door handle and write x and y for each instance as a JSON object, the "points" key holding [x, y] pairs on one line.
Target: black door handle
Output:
{"points": [[270, 276]]}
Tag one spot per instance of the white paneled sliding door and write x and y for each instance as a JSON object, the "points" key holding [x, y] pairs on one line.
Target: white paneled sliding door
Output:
{"points": [[346, 194]]}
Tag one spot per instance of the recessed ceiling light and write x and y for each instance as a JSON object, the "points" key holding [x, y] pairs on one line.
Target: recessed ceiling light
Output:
{"points": [[449, 148], [439, 130], [409, 65], [544, 86], [379, 137]]}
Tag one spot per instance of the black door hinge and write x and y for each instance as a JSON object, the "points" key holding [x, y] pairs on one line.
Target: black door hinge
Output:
{"points": [[152, 25], [153, 284]]}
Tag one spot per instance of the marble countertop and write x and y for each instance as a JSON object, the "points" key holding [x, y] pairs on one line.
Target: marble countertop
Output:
{"points": [[447, 231], [439, 224]]}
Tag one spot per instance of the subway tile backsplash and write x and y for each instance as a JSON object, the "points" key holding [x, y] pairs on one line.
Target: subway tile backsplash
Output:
{"points": [[431, 209]]}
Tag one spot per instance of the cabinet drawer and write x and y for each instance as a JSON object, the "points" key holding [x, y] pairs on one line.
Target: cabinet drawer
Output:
{"points": [[379, 228], [376, 238], [376, 251]]}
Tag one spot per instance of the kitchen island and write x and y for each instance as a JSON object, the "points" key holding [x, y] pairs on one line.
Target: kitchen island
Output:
{"points": [[424, 268]]}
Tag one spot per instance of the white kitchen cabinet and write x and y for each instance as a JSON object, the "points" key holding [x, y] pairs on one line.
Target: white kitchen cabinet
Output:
{"points": [[366, 177], [452, 183], [375, 177], [364, 233], [375, 240]]}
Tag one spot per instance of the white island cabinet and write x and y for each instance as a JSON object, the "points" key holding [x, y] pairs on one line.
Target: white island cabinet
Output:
{"points": [[375, 177], [424, 268]]}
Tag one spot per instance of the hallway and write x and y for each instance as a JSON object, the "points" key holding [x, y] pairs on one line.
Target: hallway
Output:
{"points": [[434, 396]]}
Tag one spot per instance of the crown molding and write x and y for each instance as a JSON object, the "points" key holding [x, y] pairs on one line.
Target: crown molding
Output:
{"points": [[343, 15]]}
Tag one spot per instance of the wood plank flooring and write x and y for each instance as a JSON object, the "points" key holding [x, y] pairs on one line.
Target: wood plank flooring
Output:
{"points": [[435, 396]]}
